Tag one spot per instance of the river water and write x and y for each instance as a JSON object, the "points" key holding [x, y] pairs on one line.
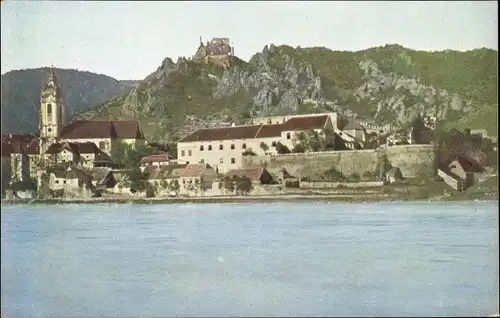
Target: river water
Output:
{"points": [[290, 259]]}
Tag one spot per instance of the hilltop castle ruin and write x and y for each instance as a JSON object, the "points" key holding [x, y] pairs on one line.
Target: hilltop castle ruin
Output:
{"points": [[217, 51]]}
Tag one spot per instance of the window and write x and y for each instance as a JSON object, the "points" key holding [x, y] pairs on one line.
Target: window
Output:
{"points": [[221, 160], [190, 152], [102, 145], [209, 147], [232, 146], [187, 162], [64, 181], [221, 147], [273, 144], [244, 146], [182, 153], [49, 130], [233, 160], [57, 181], [453, 166], [202, 160], [201, 148], [49, 111], [288, 136]]}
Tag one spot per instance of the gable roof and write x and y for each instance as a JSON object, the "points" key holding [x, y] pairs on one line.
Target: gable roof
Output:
{"points": [[469, 164], [164, 172], [93, 129], [258, 131], [353, 124], [305, 123], [27, 144], [225, 133], [253, 174], [156, 158], [267, 131], [194, 170], [74, 147]]}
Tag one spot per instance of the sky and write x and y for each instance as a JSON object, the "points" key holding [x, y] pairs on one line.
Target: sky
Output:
{"points": [[129, 40]]}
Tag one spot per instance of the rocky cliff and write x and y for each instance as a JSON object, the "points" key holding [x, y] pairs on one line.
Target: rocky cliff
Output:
{"points": [[389, 84]]}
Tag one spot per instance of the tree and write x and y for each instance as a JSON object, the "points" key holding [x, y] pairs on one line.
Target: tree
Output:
{"points": [[264, 146], [198, 186], [127, 156], [281, 149], [243, 185], [249, 152], [137, 180], [174, 186], [150, 191], [333, 174], [298, 148], [228, 185]]}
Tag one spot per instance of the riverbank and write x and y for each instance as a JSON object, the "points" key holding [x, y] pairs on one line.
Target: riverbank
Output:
{"points": [[249, 199], [414, 191]]}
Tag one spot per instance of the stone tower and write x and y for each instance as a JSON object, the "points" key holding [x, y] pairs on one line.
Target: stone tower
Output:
{"points": [[51, 112]]}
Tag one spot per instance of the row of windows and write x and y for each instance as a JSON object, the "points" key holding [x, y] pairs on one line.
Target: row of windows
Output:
{"points": [[221, 147], [233, 160]]}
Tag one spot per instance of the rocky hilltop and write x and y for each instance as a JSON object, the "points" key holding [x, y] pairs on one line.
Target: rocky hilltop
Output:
{"points": [[81, 90], [389, 84]]}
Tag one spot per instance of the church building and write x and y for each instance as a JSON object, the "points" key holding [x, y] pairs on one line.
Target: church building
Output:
{"points": [[22, 153]]}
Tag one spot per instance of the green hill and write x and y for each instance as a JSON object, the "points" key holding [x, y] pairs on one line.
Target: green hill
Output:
{"points": [[390, 84]]}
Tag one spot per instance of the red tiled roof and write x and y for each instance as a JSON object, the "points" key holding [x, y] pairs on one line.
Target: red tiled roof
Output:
{"points": [[305, 123], [81, 129], [194, 170], [469, 164], [226, 133], [87, 147], [20, 144], [75, 147], [267, 131], [156, 158], [258, 131], [253, 174], [165, 172]]}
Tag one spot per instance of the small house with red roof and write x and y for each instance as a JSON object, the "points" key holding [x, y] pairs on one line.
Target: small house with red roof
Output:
{"points": [[466, 168], [157, 160]]}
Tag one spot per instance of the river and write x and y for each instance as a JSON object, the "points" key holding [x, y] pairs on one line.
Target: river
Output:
{"points": [[251, 259]]}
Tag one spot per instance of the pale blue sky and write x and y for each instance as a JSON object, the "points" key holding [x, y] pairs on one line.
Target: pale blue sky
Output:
{"points": [[128, 40]]}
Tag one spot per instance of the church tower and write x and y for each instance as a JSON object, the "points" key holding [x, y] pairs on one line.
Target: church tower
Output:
{"points": [[51, 112]]}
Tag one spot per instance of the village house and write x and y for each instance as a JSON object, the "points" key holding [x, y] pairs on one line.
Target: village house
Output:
{"points": [[103, 179], [72, 181], [187, 179], [466, 169], [258, 176], [78, 153], [157, 160], [223, 148], [351, 130]]}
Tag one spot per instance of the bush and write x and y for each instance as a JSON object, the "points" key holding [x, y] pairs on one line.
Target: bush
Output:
{"points": [[281, 149], [354, 177], [298, 149], [249, 152], [369, 175], [150, 192], [333, 175]]}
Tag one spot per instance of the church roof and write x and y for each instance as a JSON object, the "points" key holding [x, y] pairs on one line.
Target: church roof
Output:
{"points": [[97, 129]]}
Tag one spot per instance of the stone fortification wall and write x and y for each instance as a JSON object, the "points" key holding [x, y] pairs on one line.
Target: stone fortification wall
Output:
{"points": [[315, 164], [412, 160]]}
